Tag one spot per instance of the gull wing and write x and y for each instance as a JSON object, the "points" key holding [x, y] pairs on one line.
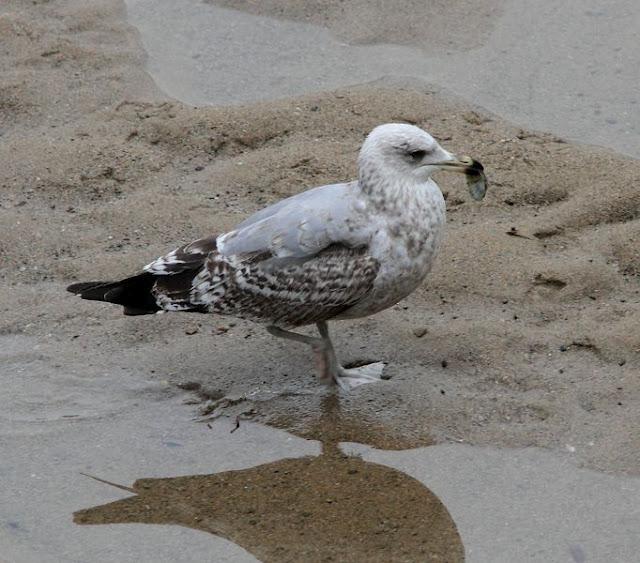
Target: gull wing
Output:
{"points": [[302, 260], [286, 291], [302, 225]]}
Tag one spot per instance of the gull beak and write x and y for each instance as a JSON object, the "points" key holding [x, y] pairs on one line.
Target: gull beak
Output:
{"points": [[472, 169], [464, 164]]}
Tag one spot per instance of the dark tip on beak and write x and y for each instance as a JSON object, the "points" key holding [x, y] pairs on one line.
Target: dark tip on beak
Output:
{"points": [[475, 166], [470, 165]]}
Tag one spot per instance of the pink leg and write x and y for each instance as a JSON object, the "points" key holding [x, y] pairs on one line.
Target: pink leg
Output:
{"points": [[330, 371]]}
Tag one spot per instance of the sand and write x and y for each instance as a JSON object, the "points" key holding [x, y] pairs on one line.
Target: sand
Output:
{"points": [[533, 305], [526, 333], [456, 25]]}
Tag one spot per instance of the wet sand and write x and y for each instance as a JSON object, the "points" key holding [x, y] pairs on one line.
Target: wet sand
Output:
{"points": [[567, 69], [529, 324]]}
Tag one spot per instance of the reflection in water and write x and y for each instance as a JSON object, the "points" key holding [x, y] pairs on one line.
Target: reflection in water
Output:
{"points": [[330, 507], [339, 424]]}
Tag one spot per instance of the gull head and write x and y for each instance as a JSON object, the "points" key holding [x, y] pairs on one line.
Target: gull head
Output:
{"points": [[405, 152]]}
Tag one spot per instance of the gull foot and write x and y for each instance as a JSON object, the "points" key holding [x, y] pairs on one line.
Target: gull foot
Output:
{"points": [[348, 379]]}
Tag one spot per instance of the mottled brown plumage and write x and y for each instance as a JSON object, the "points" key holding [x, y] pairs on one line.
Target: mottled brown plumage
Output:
{"points": [[284, 292]]}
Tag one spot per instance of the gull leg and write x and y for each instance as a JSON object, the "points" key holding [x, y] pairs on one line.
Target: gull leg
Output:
{"points": [[345, 378], [330, 370], [324, 357]]}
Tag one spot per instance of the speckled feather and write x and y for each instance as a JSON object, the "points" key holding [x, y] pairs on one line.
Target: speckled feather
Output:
{"points": [[285, 291], [261, 287]]}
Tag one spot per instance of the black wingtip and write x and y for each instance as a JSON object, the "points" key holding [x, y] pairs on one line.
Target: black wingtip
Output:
{"points": [[134, 293], [80, 288]]}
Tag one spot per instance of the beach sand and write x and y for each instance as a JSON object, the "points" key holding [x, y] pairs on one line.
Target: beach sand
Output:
{"points": [[440, 24], [526, 333], [533, 305]]}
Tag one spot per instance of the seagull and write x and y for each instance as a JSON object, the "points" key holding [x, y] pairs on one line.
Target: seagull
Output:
{"points": [[340, 251]]}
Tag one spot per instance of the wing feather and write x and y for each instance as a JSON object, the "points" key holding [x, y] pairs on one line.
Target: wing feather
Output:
{"points": [[296, 262], [302, 225], [187, 257], [287, 291]]}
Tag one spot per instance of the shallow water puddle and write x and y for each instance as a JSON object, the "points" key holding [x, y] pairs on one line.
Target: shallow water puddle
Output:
{"points": [[330, 507], [442, 503], [263, 493]]}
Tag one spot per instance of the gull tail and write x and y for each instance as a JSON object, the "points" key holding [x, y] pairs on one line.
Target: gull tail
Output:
{"points": [[134, 293]]}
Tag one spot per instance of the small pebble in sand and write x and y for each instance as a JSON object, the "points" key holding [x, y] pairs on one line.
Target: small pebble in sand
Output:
{"points": [[192, 330], [189, 386], [444, 363], [420, 331]]}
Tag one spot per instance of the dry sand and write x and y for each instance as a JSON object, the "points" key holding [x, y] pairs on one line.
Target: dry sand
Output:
{"points": [[532, 314]]}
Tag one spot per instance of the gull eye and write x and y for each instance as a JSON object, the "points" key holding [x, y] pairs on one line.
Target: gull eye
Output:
{"points": [[417, 155]]}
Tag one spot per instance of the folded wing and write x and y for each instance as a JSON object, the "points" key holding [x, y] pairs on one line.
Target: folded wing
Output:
{"points": [[299, 261]]}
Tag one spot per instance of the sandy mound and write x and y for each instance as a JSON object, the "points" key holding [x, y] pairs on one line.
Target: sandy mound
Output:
{"points": [[532, 313]]}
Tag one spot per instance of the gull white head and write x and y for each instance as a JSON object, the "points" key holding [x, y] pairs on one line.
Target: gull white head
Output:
{"points": [[399, 152]]}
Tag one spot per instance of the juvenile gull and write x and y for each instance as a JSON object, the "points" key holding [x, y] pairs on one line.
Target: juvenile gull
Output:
{"points": [[340, 251]]}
